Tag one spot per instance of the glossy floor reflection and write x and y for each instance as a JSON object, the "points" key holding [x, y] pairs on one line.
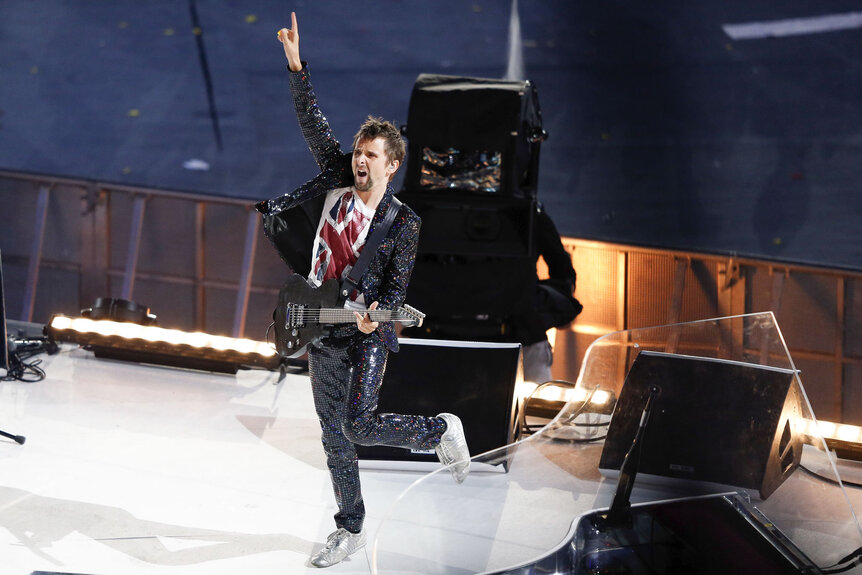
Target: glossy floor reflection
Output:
{"points": [[142, 469], [133, 469]]}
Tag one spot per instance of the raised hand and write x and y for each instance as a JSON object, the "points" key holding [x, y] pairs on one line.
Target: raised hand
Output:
{"points": [[289, 39]]}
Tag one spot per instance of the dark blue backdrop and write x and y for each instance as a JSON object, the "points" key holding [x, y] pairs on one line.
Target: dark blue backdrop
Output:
{"points": [[663, 129]]}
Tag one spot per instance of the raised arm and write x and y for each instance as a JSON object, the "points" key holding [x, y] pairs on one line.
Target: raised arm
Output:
{"points": [[290, 41], [314, 125]]}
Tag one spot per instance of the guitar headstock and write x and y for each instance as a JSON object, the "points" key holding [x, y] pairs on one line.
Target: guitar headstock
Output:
{"points": [[410, 316]]}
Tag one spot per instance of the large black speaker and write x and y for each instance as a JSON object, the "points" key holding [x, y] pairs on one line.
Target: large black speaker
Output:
{"points": [[715, 421], [472, 170], [475, 135], [473, 226], [474, 380]]}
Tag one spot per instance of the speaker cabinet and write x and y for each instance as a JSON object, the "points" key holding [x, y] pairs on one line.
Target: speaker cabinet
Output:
{"points": [[473, 136], [715, 421], [474, 380]]}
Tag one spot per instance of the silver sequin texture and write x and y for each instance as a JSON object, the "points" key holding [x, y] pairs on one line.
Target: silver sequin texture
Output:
{"points": [[346, 375], [347, 368]]}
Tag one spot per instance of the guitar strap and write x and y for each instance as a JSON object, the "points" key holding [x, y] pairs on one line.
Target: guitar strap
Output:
{"points": [[351, 282]]}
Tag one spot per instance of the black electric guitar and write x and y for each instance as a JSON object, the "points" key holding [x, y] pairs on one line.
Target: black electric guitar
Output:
{"points": [[305, 313]]}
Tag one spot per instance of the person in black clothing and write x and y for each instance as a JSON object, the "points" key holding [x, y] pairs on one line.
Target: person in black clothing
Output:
{"points": [[554, 304]]}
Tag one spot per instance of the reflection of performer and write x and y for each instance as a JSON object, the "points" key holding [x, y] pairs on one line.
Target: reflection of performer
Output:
{"points": [[347, 367]]}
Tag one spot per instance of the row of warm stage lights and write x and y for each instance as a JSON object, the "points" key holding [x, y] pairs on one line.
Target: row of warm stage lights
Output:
{"points": [[565, 394], [828, 430], [151, 333]]}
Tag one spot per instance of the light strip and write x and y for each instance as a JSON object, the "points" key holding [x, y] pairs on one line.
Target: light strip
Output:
{"points": [[127, 341], [553, 392], [828, 430], [110, 328]]}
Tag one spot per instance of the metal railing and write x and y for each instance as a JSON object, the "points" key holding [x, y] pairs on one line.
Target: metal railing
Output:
{"points": [[95, 231]]}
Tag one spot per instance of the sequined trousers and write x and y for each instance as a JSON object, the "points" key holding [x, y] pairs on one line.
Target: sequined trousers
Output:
{"points": [[346, 376]]}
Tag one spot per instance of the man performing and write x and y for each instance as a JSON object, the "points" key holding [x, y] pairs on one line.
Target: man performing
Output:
{"points": [[346, 368]]}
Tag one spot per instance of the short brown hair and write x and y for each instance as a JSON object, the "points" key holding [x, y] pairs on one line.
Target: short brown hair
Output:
{"points": [[374, 128]]}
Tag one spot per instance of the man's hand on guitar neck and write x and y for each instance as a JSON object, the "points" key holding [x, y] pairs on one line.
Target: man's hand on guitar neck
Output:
{"points": [[364, 323]]}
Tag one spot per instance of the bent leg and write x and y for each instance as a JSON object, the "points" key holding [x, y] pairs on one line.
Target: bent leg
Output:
{"points": [[363, 424]]}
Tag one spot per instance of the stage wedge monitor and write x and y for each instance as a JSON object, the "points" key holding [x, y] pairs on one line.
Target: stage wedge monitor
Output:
{"points": [[474, 380], [718, 422]]}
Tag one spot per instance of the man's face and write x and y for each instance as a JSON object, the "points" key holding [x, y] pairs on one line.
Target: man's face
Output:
{"points": [[370, 164]]}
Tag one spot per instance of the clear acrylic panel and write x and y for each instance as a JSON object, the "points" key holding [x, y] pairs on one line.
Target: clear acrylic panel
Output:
{"points": [[523, 502]]}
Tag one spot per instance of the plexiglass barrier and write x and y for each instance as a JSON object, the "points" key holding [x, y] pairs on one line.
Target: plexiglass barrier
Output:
{"points": [[506, 522]]}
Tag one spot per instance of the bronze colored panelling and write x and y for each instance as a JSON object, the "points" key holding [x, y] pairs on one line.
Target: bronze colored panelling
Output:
{"points": [[650, 289], [808, 312], [853, 318], [597, 285], [851, 408], [700, 298], [651, 284], [819, 381]]}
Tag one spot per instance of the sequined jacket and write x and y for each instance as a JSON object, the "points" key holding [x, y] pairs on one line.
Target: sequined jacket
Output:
{"points": [[388, 274]]}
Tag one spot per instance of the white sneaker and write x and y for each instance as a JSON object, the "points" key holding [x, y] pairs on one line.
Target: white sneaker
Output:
{"points": [[339, 545], [452, 449]]}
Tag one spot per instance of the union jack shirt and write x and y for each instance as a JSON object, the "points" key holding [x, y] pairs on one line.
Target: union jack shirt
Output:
{"points": [[341, 234]]}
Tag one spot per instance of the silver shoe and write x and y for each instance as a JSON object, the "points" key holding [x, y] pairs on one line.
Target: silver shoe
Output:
{"points": [[339, 545], [452, 449]]}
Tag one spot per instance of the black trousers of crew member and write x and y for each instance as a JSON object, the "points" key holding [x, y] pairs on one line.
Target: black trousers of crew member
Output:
{"points": [[346, 376]]}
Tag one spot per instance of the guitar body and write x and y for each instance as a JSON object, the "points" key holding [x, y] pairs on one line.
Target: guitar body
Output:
{"points": [[292, 335], [305, 313]]}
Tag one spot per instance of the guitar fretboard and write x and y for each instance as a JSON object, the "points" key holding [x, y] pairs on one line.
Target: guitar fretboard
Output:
{"points": [[337, 315]]}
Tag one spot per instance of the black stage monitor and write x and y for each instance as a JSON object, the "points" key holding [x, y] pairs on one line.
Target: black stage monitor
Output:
{"points": [[715, 421], [474, 380]]}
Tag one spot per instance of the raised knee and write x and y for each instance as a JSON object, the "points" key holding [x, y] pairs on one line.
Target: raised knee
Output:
{"points": [[359, 431]]}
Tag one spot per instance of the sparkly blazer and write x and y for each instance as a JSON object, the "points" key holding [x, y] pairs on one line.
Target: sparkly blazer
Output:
{"points": [[388, 274]]}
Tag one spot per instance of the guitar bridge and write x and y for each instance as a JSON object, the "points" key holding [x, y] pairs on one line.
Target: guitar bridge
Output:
{"points": [[294, 317]]}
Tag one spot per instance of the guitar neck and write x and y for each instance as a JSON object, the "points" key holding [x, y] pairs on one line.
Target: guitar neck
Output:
{"points": [[339, 315]]}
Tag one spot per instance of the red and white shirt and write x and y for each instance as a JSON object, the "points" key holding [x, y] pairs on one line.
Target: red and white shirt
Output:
{"points": [[341, 234]]}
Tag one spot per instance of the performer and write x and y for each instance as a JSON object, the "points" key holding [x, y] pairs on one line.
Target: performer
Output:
{"points": [[346, 368]]}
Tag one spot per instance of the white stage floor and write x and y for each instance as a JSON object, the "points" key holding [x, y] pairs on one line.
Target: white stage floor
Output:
{"points": [[132, 469], [141, 469]]}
